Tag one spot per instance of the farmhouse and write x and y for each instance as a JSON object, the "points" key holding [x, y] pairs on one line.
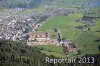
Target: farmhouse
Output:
{"points": [[70, 46]]}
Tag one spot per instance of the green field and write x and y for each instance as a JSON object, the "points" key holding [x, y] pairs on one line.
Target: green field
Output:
{"points": [[66, 25], [84, 39], [52, 50]]}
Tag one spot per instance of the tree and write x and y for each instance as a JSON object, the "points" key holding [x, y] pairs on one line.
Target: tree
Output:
{"points": [[99, 47], [88, 29], [55, 30]]}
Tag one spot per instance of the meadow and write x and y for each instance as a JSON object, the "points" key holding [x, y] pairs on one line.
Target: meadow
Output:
{"points": [[83, 39], [54, 50], [66, 24]]}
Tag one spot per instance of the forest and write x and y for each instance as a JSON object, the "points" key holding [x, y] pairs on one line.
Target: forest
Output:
{"points": [[19, 54]]}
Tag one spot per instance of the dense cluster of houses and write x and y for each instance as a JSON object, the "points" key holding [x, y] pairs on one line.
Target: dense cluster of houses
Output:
{"points": [[3, 16], [29, 24], [26, 30]]}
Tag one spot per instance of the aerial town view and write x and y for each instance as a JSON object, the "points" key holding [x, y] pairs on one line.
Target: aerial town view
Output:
{"points": [[49, 32]]}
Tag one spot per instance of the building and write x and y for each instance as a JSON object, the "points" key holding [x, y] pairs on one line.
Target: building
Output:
{"points": [[41, 38], [1, 35], [1, 18], [47, 42], [70, 46]]}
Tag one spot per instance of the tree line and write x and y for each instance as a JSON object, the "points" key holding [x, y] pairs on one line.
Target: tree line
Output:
{"points": [[19, 54]]}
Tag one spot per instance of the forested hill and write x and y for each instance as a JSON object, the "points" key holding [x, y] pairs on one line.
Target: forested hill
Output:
{"points": [[19, 54], [36, 3]]}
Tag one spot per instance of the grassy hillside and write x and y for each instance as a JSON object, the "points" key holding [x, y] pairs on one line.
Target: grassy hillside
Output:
{"points": [[84, 39], [66, 25], [54, 50]]}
